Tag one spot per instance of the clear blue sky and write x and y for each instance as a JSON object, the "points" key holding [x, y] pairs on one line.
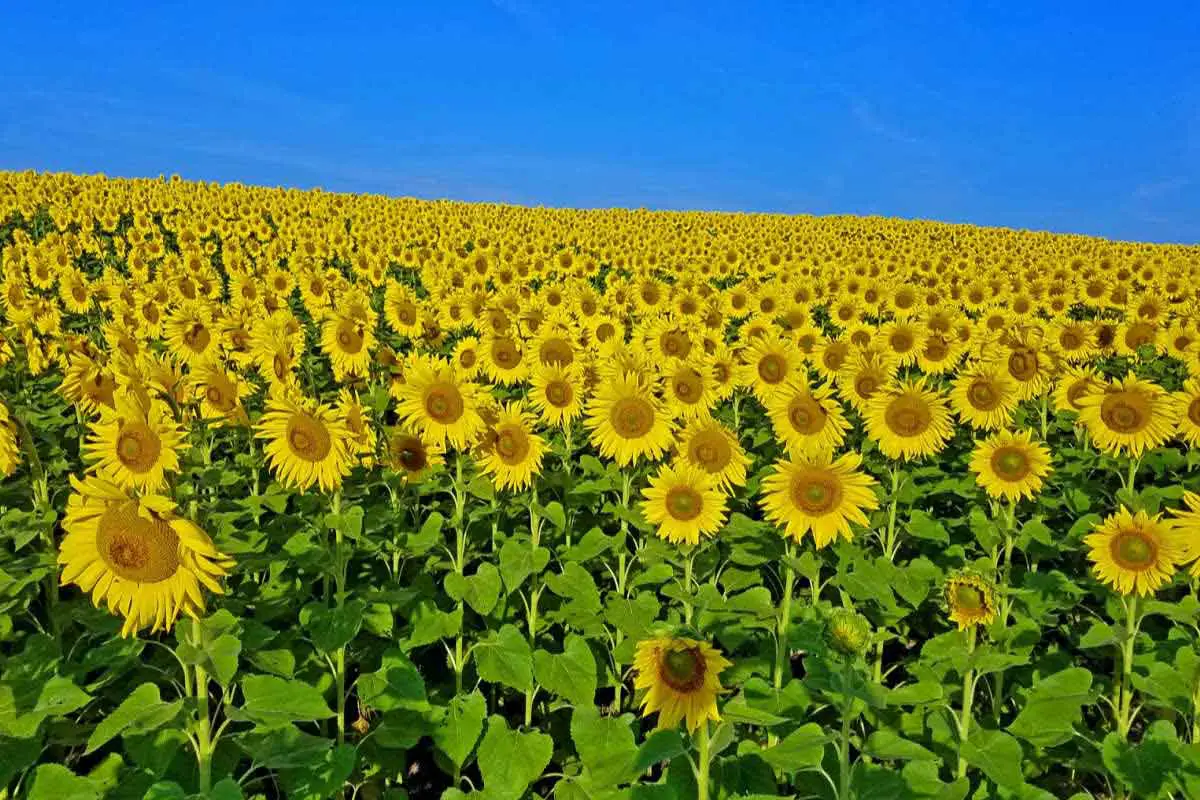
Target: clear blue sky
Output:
{"points": [[1066, 116]]}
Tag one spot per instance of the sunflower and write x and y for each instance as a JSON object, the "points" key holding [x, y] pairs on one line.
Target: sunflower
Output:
{"points": [[135, 444], [681, 678], [435, 401], [900, 341], [1073, 385], [689, 389], [362, 433], [137, 556], [466, 357], [848, 632], [89, 385], [1187, 403], [909, 421], [685, 503], [820, 495], [984, 397], [829, 357], [1187, 527], [1027, 363], [307, 443], [402, 309], [557, 393], [709, 446], [1010, 465], [411, 456], [1135, 553], [10, 451], [970, 598], [191, 334], [504, 359], [1129, 416], [627, 421], [221, 393], [769, 363], [348, 343], [514, 455], [864, 377], [807, 420]]}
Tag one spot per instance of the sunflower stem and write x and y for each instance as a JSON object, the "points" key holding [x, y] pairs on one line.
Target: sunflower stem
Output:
{"points": [[1134, 463], [1045, 413], [460, 550], [968, 698], [626, 488], [889, 541], [785, 618], [703, 759], [1124, 693], [844, 742], [687, 585], [203, 741]]}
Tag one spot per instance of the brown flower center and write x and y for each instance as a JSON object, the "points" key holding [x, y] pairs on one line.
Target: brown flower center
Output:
{"points": [[772, 368], [135, 548], [307, 437], [559, 393], [605, 331], [816, 492], [348, 337], [410, 452], [1023, 364], [908, 416], [138, 446], [1125, 412], [688, 386], [806, 415], [197, 337], [512, 445], [632, 417], [682, 670], [556, 350], [1134, 550], [1011, 463], [1138, 334], [709, 450], [675, 343], [444, 403], [505, 353], [684, 503], [467, 358], [983, 395]]}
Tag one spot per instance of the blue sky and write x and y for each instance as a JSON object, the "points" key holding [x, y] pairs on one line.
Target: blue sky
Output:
{"points": [[1081, 117]]}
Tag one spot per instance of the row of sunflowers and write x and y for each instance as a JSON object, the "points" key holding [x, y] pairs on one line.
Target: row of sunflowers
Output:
{"points": [[316, 495]]}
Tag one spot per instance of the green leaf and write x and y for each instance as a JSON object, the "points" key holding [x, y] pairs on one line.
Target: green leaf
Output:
{"points": [[800, 749], [518, 561], [143, 709], [571, 674], [891, 746], [396, 684], [322, 778], [505, 658], [510, 760], [348, 522], [483, 589], [56, 697], [1052, 708], [923, 526], [997, 754], [420, 542], [659, 746], [56, 782], [272, 700], [332, 628], [461, 727], [605, 745], [553, 511], [1145, 768], [431, 624]]}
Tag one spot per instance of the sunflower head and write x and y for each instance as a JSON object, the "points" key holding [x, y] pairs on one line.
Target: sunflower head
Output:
{"points": [[681, 680], [848, 632], [970, 598], [1135, 553]]}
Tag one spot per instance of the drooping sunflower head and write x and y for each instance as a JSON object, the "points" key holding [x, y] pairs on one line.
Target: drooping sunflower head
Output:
{"points": [[1011, 465], [10, 452], [970, 598], [307, 443], [681, 680], [136, 555], [358, 425], [909, 420], [1135, 553], [1129, 416]]}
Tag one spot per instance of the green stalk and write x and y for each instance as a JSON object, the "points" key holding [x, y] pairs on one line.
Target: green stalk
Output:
{"points": [[785, 619], [687, 584], [968, 698], [704, 762], [1124, 693], [844, 742], [535, 533], [626, 488], [339, 599], [460, 550], [203, 741]]}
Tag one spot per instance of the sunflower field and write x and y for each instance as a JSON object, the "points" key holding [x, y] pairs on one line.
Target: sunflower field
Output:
{"points": [[312, 495]]}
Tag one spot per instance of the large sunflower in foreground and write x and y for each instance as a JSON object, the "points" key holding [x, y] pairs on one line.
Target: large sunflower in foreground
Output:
{"points": [[307, 443], [707, 445], [627, 421], [514, 453], [970, 598], [820, 495], [134, 445], [909, 421], [684, 503], [434, 400], [1010, 465], [1129, 416], [137, 556], [1135, 553], [807, 420], [681, 680]]}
